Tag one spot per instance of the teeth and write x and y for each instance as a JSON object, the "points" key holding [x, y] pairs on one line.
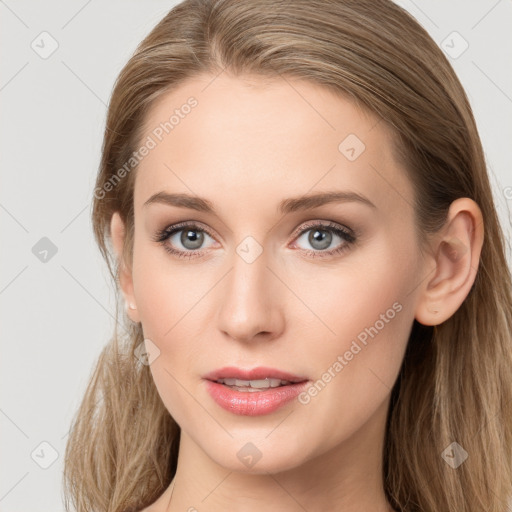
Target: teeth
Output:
{"points": [[256, 384]]}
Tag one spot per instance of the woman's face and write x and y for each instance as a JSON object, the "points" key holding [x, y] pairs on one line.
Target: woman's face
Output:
{"points": [[322, 290]]}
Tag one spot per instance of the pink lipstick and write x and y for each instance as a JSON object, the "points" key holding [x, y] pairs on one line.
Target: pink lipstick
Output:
{"points": [[253, 392]]}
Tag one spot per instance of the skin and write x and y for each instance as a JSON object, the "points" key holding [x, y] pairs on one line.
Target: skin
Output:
{"points": [[248, 145]]}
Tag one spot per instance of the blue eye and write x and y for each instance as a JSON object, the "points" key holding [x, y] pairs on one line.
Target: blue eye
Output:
{"points": [[321, 236], [192, 237]]}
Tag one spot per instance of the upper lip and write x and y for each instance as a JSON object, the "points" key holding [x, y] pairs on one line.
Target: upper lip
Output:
{"points": [[258, 373]]}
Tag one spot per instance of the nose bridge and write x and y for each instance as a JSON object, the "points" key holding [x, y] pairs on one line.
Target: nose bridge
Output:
{"points": [[250, 300]]}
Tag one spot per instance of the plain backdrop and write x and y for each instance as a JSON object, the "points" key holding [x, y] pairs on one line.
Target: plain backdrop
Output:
{"points": [[59, 61]]}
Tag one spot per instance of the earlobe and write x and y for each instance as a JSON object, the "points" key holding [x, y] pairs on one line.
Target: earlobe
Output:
{"points": [[118, 231], [455, 258]]}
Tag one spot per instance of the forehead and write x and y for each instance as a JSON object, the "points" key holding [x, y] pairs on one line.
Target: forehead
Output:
{"points": [[256, 139]]}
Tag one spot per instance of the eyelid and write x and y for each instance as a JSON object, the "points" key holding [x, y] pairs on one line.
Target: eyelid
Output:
{"points": [[324, 224], [171, 229], [298, 231]]}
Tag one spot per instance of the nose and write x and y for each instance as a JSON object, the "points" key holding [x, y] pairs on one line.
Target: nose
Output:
{"points": [[250, 308]]}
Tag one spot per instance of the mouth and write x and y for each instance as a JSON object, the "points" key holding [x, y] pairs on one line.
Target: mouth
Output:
{"points": [[253, 392], [253, 385], [256, 379]]}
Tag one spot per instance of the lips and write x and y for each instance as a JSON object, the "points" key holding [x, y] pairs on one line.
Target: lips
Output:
{"points": [[259, 373], [253, 392]]}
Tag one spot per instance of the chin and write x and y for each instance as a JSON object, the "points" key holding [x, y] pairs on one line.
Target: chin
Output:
{"points": [[258, 456]]}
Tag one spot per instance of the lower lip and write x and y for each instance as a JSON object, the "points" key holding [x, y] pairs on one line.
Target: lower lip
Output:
{"points": [[253, 403]]}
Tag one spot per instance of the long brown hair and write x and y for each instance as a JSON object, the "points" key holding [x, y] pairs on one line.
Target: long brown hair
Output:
{"points": [[455, 384]]}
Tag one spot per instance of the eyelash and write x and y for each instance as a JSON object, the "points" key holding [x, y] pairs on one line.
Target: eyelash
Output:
{"points": [[349, 237]]}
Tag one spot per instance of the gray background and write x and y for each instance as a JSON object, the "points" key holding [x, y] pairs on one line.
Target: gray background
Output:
{"points": [[57, 314]]}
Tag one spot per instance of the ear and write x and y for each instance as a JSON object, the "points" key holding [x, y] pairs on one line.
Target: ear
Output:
{"points": [[455, 258], [117, 231]]}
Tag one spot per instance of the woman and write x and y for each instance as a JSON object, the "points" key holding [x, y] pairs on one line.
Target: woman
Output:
{"points": [[294, 205]]}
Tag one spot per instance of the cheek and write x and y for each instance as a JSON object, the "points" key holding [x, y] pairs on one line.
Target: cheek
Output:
{"points": [[167, 303], [366, 310], [163, 293]]}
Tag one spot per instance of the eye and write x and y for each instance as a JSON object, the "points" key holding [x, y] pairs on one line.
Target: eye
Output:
{"points": [[183, 240], [320, 236]]}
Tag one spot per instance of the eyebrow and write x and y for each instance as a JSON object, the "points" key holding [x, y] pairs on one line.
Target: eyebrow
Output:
{"points": [[290, 205]]}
